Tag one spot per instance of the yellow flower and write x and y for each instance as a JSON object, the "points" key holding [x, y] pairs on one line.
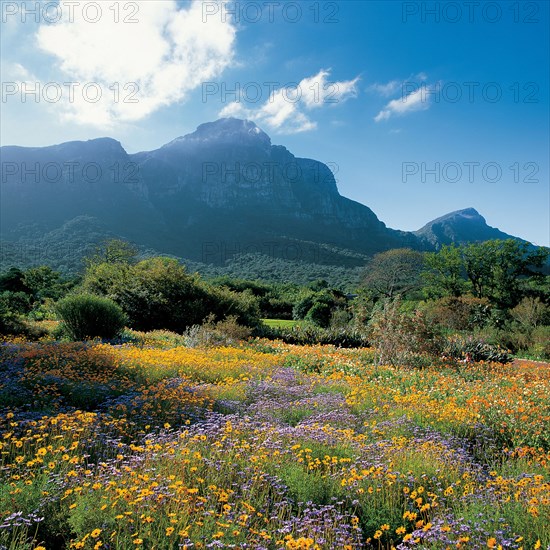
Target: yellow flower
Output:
{"points": [[95, 533], [491, 543], [169, 531], [137, 542]]}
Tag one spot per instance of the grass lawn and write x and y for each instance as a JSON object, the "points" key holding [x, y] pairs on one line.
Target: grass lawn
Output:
{"points": [[286, 323]]}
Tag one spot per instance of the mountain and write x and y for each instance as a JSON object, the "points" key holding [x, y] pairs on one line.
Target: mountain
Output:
{"points": [[460, 227], [221, 191]]}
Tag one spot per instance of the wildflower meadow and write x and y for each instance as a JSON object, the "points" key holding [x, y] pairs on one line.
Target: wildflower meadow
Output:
{"points": [[267, 445]]}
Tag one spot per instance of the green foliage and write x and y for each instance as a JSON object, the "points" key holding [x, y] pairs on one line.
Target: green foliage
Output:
{"points": [[393, 272], [501, 271], [302, 306], [474, 349], [10, 321], [28, 293], [86, 316], [112, 251], [533, 343], [309, 334], [318, 306], [445, 272], [158, 293], [269, 269], [227, 332], [530, 313], [320, 314], [458, 312]]}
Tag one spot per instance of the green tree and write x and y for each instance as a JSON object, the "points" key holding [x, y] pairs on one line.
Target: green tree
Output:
{"points": [[113, 251], [499, 270], [445, 273], [13, 280], [395, 272], [43, 282], [320, 314]]}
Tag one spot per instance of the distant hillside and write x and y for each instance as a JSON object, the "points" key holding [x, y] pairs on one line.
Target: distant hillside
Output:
{"points": [[460, 227]]}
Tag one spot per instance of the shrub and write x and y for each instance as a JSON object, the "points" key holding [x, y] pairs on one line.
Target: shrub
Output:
{"points": [[86, 316], [309, 334], [158, 293], [462, 348], [539, 347], [459, 313], [301, 307], [211, 334], [319, 314], [531, 313], [402, 338]]}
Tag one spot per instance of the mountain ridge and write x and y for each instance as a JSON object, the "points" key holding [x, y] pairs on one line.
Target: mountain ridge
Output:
{"points": [[225, 184]]}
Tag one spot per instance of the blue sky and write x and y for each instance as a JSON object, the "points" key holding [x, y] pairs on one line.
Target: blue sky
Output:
{"points": [[392, 95]]}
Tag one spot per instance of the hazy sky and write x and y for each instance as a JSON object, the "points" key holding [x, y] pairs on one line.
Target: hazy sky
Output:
{"points": [[420, 108]]}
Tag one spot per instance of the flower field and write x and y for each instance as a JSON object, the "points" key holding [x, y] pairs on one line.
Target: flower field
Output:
{"points": [[269, 446]]}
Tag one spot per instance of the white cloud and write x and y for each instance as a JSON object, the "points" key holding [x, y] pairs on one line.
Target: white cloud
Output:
{"points": [[414, 97], [390, 88], [385, 90], [17, 73], [166, 54], [285, 109]]}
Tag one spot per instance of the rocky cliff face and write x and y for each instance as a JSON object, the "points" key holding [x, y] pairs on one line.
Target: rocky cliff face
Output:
{"points": [[231, 162]]}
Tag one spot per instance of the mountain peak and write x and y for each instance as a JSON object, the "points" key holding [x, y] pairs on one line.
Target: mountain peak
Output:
{"points": [[227, 130], [466, 214], [460, 226]]}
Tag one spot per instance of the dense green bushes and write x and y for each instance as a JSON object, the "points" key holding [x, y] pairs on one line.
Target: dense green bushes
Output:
{"points": [[479, 295], [310, 334], [86, 316], [158, 293]]}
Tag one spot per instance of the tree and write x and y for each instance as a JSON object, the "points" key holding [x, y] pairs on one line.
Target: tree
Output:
{"points": [[320, 314], [113, 251], [43, 282], [13, 280], [395, 272], [530, 313], [445, 274], [499, 270]]}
